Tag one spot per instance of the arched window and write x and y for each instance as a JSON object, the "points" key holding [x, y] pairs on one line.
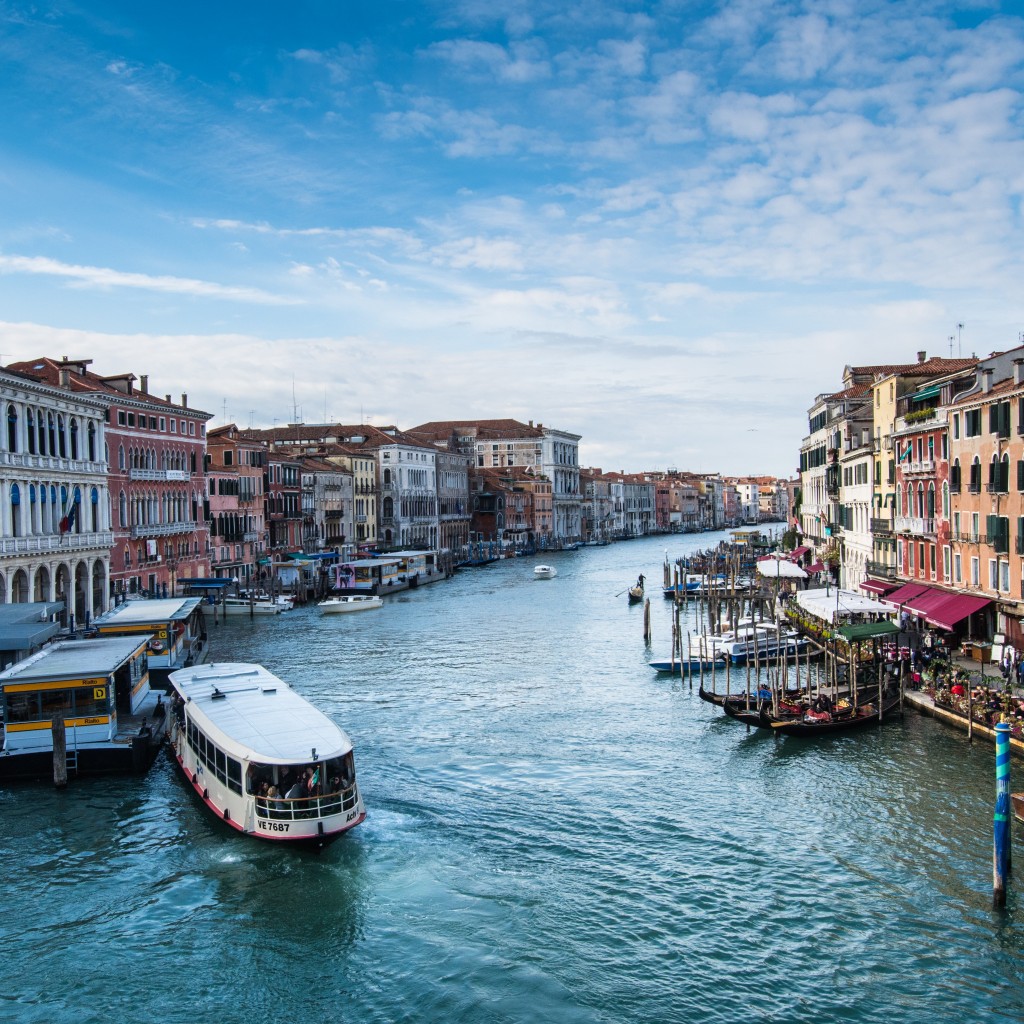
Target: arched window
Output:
{"points": [[94, 501], [122, 510], [74, 439], [931, 501], [62, 444], [51, 432], [30, 431], [12, 429], [15, 510], [945, 501], [120, 457], [41, 424], [920, 501]]}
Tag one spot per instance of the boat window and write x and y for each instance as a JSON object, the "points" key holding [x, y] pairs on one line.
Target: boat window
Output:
{"points": [[234, 775], [56, 702], [22, 707]]}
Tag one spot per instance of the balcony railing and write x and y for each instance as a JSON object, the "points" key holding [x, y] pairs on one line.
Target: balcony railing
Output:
{"points": [[22, 460], [916, 525], [56, 542], [997, 487], [163, 529], [881, 570], [881, 525], [921, 466]]}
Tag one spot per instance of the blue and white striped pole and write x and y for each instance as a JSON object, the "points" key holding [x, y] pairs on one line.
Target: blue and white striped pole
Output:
{"points": [[1001, 821]]}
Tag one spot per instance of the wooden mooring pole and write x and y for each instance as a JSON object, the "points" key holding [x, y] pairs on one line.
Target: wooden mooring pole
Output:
{"points": [[647, 620], [60, 751]]}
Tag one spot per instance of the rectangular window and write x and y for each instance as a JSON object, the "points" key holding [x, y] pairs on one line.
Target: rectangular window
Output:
{"points": [[174, 426], [163, 422], [975, 571], [910, 554], [131, 420], [956, 426], [1004, 577], [184, 429], [946, 563], [972, 423], [931, 554], [121, 418], [993, 574], [957, 574]]}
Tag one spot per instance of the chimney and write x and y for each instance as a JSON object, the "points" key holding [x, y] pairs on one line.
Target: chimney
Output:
{"points": [[64, 376], [922, 356], [167, 399], [184, 400], [144, 383], [1018, 371], [986, 380]]}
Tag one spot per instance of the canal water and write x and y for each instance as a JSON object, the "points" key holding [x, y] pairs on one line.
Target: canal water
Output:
{"points": [[554, 833]]}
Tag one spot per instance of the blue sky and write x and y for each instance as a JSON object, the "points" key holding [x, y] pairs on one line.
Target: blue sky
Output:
{"points": [[665, 227]]}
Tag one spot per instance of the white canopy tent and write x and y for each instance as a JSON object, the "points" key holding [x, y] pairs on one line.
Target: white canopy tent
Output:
{"points": [[778, 567], [834, 605]]}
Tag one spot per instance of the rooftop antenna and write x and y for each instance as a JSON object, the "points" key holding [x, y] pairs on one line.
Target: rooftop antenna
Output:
{"points": [[225, 410], [951, 337], [959, 328], [295, 412]]}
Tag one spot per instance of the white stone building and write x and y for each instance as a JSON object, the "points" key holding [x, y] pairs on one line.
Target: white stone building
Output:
{"points": [[55, 532]]}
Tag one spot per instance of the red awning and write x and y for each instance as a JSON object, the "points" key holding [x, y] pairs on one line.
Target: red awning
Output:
{"points": [[878, 586], [955, 608], [816, 567], [905, 593], [799, 552], [921, 604]]}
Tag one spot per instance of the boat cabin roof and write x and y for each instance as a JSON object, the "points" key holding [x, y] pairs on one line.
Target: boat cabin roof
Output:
{"points": [[363, 563], [251, 713], [74, 659], [137, 613], [24, 626]]}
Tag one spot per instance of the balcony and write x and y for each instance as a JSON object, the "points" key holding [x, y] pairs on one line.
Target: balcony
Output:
{"points": [[250, 536], [54, 542], [158, 474], [163, 529], [998, 487], [881, 525], [916, 525], [922, 466], [22, 460], [880, 570]]}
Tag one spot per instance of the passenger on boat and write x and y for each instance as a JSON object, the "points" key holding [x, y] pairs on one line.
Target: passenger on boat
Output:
{"points": [[957, 689]]}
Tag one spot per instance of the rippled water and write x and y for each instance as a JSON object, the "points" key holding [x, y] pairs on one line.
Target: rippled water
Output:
{"points": [[554, 833]]}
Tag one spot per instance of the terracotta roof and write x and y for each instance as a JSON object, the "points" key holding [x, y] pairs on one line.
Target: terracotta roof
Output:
{"points": [[48, 370], [441, 430]]}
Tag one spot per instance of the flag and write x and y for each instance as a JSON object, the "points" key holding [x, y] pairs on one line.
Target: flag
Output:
{"points": [[69, 519]]}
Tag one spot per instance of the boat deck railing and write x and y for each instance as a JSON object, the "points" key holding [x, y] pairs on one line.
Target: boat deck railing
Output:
{"points": [[281, 808]]}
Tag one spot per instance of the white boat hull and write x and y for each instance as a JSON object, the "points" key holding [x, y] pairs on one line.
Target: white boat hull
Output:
{"points": [[345, 605]]}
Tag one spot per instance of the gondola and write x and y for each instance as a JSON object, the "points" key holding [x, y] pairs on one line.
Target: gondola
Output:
{"points": [[861, 717], [736, 697], [636, 594]]}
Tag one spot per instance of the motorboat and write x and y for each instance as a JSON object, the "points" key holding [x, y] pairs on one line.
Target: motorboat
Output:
{"points": [[350, 603], [261, 757], [544, 572]]}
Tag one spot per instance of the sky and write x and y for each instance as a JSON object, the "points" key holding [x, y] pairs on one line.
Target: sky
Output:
{"points": [[665, 227]]}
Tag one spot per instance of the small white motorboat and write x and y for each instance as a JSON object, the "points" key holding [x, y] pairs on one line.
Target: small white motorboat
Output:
{"points": [[350, 603], [544, 572]]}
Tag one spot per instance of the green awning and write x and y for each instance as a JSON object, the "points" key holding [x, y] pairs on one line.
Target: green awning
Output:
{"points": [[920, 396], [867, 631]]}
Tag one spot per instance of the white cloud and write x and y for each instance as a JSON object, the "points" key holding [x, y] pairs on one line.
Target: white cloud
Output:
{"points": [[105, 278]]}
